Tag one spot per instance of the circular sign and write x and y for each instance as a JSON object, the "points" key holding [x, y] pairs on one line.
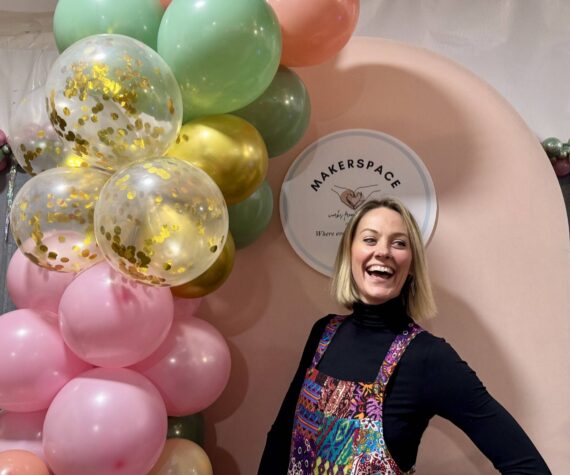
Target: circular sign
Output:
{"points": [[335, 175]]}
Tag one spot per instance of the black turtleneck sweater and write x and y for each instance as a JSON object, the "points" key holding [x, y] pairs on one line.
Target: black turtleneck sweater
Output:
{"points": [[430, 379]]}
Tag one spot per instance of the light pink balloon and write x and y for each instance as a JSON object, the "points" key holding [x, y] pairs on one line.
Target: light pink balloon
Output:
{"points": [[112, 321], [35, 363], [191, 368], [32, 286], [316, 30], [105, 421], [22, 431]]}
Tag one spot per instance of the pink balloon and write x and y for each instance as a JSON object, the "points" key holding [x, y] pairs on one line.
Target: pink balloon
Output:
{"points": [[191, 368], [22, 431], [105, 421], [314, 31], [32, 286], [34, 361], [112, 321]]}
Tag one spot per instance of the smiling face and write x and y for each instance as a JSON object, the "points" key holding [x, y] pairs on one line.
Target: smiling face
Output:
{"points": [[381, 255]]}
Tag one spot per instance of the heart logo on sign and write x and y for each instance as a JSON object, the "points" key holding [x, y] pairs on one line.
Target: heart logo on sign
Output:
{"points": [[352, 199]]}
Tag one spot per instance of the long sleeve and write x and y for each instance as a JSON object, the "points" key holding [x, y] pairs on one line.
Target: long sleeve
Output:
{"points": [[455, 392], [275, 458]]}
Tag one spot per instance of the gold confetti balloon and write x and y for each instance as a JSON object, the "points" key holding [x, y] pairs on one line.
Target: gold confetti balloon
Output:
{"points": [[52, 218], [33, 140], [229, 149], [114, 100], [161, 221]]}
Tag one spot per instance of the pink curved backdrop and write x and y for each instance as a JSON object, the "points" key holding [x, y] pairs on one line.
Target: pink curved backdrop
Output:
{"points": [[499, 258]]}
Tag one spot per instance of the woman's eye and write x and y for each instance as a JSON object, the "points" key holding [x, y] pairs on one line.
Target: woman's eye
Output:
{"points": [[369, 240], [400, 243]]}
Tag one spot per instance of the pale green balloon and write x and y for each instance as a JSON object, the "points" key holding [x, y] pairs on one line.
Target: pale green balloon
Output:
{"points": [[76, 19], [249, 218], [281, 114], [223, 53]]}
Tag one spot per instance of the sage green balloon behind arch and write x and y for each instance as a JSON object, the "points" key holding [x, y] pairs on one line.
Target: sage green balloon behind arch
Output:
{"points": [[281, 114], [76, 19], [249, 218]]}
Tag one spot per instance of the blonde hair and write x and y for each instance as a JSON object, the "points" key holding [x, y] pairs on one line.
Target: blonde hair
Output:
{"points": [[417, 293]]}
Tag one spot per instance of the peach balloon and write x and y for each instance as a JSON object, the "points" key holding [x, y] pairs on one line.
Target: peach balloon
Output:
{"points": [[21, 462], [314, 31], [181, 456]]}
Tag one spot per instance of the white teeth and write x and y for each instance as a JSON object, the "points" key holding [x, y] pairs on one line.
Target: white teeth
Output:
{"points": [[379, 268]]}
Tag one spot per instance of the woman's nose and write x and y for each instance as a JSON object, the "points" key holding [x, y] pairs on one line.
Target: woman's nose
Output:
{"points": [[382, 251]]}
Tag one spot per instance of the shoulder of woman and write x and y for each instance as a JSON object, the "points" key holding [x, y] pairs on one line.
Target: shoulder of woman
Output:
{"points": [[433, 348]]}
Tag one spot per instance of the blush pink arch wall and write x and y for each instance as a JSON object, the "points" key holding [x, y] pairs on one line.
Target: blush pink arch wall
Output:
{"points": [[499, 259]]}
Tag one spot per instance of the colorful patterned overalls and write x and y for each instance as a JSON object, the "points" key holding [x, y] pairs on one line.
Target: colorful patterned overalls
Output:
{"points": [[338, 424]]}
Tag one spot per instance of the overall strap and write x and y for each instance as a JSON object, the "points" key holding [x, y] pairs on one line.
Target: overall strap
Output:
{"points": [[396, 351], [329, 332]]}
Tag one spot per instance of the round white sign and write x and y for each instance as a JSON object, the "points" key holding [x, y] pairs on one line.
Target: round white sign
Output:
{"points": [[339, 172]]}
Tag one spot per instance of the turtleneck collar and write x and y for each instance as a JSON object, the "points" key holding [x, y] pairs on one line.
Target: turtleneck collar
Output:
{"points": [[391, 314]]}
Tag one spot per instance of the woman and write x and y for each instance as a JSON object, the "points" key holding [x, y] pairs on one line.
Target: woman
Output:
{"points": [[368, 383]]}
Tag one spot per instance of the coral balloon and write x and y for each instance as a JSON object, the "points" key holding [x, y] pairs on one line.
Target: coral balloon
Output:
{"points": [[251, 217], [34, 361], [227, 148], [224, 53], [191, 368], [113, 100], [22, 431], [33, 140], [281, 114], [105, 421], [161, 221], [21, 462], [52, 218], [182, 456], [314, 31], [32, 286], [139, 19], [187, 427], [112, 321], [213, 278]]}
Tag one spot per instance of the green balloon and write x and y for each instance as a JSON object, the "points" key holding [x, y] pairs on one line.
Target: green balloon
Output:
{"points": [[249, 218], [281, 114], [224, 53], [76, 19], [187, 427]]}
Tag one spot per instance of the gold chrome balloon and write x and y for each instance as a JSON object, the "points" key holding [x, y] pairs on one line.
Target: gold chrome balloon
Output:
{"points": [[161, 221], [113, 100], [227, 148], [213, 278], [52, 218]]}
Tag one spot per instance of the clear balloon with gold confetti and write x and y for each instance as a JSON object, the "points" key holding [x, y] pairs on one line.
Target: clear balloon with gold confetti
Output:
{"points": [[52, 218], [114, 100], [161, 221], [33, 140]]}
